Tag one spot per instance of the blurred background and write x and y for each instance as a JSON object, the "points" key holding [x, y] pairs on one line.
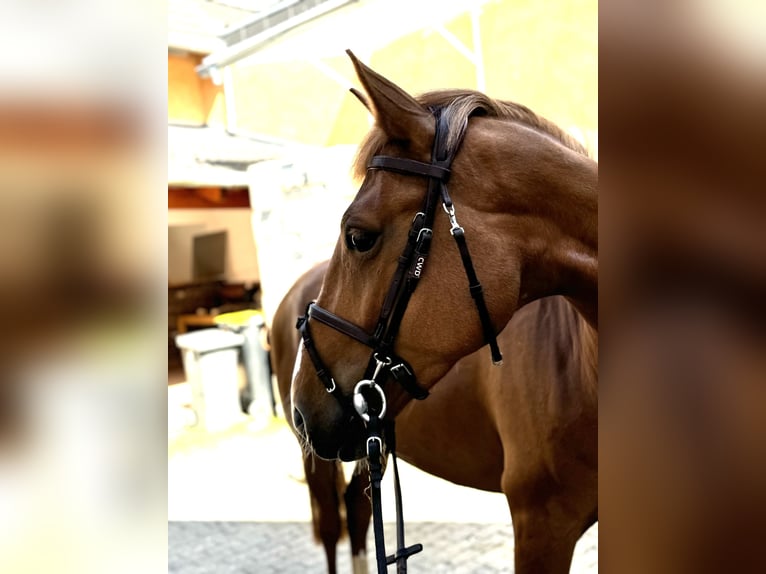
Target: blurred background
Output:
{"points": [[259, 118], [82, 274]]}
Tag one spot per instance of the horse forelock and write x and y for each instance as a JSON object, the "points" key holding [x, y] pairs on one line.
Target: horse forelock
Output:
{"points": [[458, 106]]}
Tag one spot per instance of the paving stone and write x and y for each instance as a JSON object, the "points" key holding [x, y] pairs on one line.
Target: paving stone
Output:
{"points": [[288, 548]]}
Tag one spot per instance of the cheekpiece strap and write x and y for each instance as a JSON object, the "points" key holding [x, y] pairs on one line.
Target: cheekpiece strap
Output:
{"points": [[321, 369]]}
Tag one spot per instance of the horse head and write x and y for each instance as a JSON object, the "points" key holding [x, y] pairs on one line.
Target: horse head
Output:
{"points": [[522, 193]]}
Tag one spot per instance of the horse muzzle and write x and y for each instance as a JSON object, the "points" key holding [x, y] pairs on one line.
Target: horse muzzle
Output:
{"points": [[341, 436]]}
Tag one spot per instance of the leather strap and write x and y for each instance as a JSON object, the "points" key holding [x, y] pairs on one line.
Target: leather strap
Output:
{"points": [[403, 552], [404, 262], [340, 324], [374, 462], [409, 167], [308, 343], [374, 458], [474, 287]]}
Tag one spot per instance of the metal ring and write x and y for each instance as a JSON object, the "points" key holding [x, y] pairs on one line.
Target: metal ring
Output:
{"points": [[360, 405]]}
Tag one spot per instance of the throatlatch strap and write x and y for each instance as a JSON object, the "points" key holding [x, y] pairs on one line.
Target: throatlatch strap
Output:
{"points": [[474, 286]]}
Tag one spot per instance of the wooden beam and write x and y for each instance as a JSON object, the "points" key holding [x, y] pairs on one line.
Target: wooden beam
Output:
{"points": [[208, 197]]}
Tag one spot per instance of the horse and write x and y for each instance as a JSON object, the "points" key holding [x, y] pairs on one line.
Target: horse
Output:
{"points": [[525, 195], [476, 429]]}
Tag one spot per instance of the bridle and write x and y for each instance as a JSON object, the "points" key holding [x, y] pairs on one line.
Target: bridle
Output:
{"points": [[369, 399], [405, 280]]}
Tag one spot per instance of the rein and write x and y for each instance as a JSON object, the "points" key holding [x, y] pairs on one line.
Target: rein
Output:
{"points": [[369, 399], [374, 458]]}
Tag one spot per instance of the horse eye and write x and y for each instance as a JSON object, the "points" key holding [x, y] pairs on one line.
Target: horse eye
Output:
{"points": [[360, 240]]}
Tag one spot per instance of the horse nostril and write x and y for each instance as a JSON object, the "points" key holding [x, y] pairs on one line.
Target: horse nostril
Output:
{"points": [[297, 419]]}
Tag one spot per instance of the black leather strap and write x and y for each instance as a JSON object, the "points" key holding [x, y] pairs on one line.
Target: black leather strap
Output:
{"points": [[409, 167], [405, 376], [404, 262], [403, 552], [417, 265], [474, 286], [341, 325], [374, 461], [308, 343]]}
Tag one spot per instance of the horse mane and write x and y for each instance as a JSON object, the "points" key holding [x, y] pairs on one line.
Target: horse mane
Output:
{"points": [[458, 106]]}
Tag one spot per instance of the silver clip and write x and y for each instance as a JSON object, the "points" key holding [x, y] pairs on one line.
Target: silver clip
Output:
{"points": [[450, 211], [380, 364]]}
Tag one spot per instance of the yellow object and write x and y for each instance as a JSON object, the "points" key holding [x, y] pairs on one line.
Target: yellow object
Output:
{"points": [[237, 318]]}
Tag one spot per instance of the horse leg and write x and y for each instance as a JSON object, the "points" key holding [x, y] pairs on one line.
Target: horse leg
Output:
{"points": [[539, 548], [358, 514], [325, 481], [546, 527]]}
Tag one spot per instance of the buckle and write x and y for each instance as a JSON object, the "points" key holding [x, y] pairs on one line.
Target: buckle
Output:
{"points": [[395, 371], [372, 439]]}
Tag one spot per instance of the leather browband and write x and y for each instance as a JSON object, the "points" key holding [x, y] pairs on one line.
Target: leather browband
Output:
{"points": [[409, 167]]}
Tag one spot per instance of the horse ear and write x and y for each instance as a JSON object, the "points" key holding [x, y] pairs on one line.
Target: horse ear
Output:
{"points": [[395, 111], [362, 98]]}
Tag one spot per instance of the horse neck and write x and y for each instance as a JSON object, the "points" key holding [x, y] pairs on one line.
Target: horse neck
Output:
{"points": [[562, 265], [557, 221]]}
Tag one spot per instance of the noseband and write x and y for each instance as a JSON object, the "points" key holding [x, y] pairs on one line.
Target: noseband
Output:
{"points": [[409, 270]]}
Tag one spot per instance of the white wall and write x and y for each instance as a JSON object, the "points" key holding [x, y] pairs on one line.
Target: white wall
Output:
{"points": [[297, 208], [241, 257]]}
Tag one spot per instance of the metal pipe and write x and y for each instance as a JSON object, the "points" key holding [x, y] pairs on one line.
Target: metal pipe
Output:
{"points": [[231, 54]]}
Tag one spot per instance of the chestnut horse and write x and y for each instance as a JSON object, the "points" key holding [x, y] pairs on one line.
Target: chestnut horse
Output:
{"points": [[525, 194], [481, 427]]}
